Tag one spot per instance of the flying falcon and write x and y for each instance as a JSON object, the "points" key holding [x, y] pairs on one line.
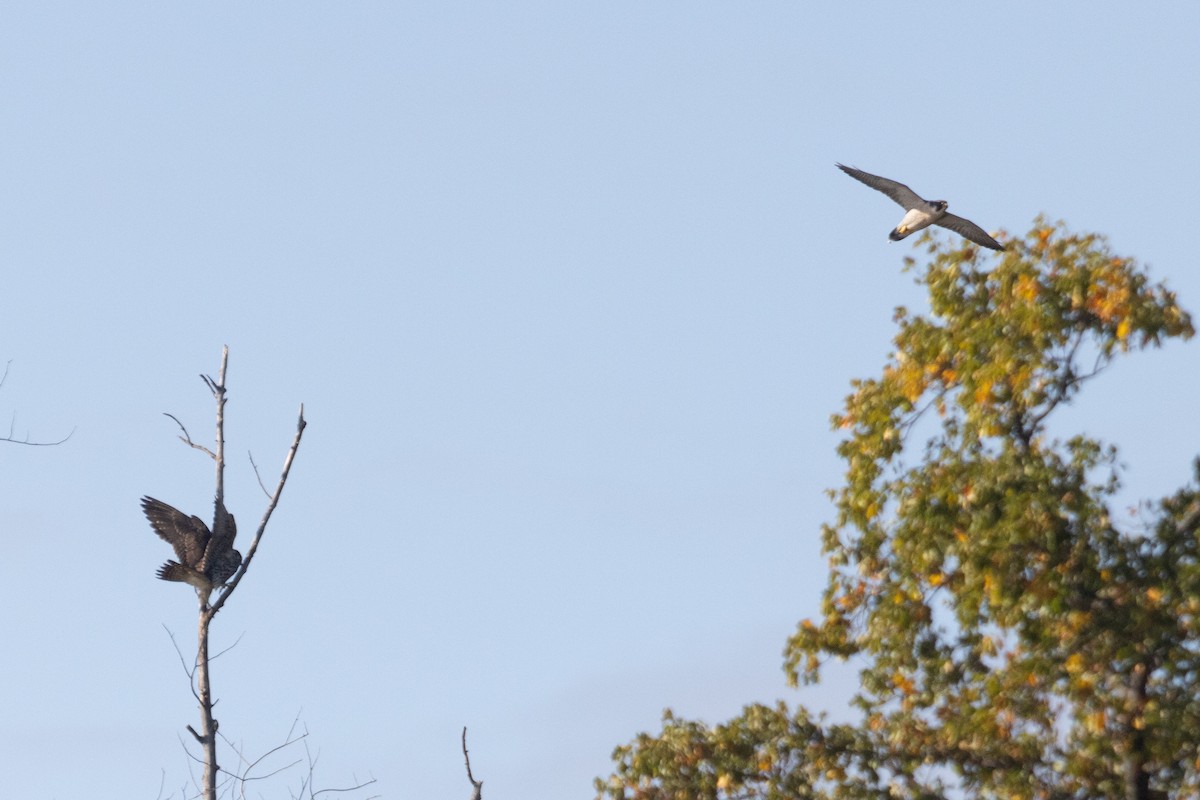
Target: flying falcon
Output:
{"points": [[921, 213], [206, 560]]}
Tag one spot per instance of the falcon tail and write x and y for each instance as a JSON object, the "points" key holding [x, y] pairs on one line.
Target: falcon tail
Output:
{"points": [[174, 571], [171, 571]]}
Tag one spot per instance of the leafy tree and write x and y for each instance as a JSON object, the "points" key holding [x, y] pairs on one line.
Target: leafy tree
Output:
{"points": [[1015, 641]]}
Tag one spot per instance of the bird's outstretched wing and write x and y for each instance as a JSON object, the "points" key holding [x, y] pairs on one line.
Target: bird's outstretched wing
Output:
{"points": [[188, 535], [900, 193], [968, 230]]}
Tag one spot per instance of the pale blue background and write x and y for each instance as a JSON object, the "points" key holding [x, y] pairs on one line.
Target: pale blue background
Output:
{"points": [[569, 291]]}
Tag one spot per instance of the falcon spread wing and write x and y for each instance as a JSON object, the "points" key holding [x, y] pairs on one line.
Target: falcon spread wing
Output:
{"points": [[968, 230], [903, 195], [188, 535], [206, 560], [921, 213]]}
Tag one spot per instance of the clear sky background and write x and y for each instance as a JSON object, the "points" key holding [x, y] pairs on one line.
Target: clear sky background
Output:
{"points": [[569, 292]]}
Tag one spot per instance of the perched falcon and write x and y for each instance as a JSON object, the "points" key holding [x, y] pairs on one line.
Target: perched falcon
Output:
{"points": [[206, 560], [921, 213]]}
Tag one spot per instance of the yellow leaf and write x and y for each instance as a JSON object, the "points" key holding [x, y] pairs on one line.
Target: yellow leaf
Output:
{"points": [[1123, 330], [912, 384], [902, 682], [1026, 288], [982, 391], [992, 587]]}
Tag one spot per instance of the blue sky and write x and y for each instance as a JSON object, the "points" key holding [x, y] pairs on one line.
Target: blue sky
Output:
{"points": [[569, 292]]}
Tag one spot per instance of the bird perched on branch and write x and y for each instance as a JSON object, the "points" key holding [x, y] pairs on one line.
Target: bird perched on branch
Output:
{"points": [[921, 213], [206, 560]]}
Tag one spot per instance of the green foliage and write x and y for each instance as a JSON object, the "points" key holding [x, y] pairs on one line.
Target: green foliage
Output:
{"points": [[1015, 642], [764, 753]]}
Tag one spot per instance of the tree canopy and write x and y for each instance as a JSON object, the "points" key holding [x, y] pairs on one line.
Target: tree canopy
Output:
{"points": [[1015, 640]]}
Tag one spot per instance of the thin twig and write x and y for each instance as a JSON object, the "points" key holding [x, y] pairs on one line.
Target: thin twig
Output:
{"points": [[262, 525], [178, 652], [343, 789], [12, 426], [192, 758], [227, 649], [245, 776], [187, 438], [191, 673], [312, 767], [254, 466], [290, 739], [478, 793], [238, 749], [11, 439]]}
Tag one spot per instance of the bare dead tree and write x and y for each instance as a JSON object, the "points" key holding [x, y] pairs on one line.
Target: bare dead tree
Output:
{"points": [[200, 676], [477, 786]]}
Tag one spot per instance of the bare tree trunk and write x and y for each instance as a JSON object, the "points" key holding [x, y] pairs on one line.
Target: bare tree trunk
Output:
{"points": [[208, 725], [207, 736]]}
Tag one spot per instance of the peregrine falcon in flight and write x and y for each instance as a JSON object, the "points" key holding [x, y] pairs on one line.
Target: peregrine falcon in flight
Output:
{"points": [[206, 560], [921, 213]]}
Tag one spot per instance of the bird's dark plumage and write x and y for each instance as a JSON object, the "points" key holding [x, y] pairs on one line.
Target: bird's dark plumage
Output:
{"points": [[205, 559]]}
